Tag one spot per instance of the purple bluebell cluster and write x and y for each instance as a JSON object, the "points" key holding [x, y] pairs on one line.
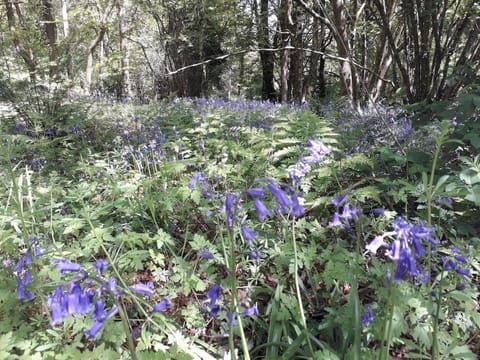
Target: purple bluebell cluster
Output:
{"points": [[368, 316], [87, 295], [250, 236], [406, 247], [18, 128], [344, 212], [199, 177], [242, 112], [205, 254], [456, 262], [232, 202], [21, 269], [287, 204], [38, 163], [365, 129], [317, 151], [214, 294], [144, 144]]}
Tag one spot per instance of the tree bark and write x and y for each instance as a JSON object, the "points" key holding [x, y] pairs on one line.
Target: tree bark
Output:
{"points": [[91, 50], [347, 75], [24, 52], [266, 57], [66, 33], [51, 35], [296, 58], [285, 23]]}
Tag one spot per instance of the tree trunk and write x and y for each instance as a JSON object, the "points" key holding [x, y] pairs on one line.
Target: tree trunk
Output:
{"points": [[66, 33], [91, 50], [51, 35], [123, 85], [25, 53], [285, 23], [312, 77], [296, 58], [347, 75], [266, 57]]}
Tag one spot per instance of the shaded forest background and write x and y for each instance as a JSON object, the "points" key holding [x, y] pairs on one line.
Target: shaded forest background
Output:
{"points": [[280, 50]]}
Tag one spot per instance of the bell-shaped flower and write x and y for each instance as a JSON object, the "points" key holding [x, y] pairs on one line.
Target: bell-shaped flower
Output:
{"points": [[262, 210], [162, 305], [143, 289]]}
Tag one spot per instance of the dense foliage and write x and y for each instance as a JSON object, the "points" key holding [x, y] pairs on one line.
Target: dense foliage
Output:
{"points": [[277, 50], [205, 228]]}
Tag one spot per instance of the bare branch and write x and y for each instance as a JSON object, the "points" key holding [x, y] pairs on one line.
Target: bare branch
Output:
{"points": [[241, 52]]}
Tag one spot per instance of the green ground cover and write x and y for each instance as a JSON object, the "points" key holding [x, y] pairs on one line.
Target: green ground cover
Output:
{"points": [[204, 229]]}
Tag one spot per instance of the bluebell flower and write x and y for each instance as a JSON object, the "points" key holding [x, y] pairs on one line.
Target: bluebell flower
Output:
{"points": [[64, 265], [448, 264], [198, 177], [79, 300], [163, 305], [144, 289], [230, 204], [405, 265], [281, 197], [99, 313], [111, 286], [318, 150], [297, 208], [377, 243], [367, 317], [444, 200], [204, 253], [22, 293], [255, 254], [28, 257], [214, 310], [19, 265], [100, 265], [94, 329], [349, 213], [298, 171], [256, 192], [248, 234], [213, 294], [465, 272], [335, 220], [460, 287], [338, 200], [262, 210], [406, 246], [378, 211], [38, 251], [251, 311]]}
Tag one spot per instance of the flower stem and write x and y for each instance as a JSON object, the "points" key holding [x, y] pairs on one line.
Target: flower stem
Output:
{"points": [[297, 289], [429, 196], [126, 328], [234, 304], [387, 334], [435, 349]]}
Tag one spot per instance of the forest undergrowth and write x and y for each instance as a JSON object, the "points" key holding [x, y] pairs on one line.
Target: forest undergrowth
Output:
{"points": [[214, 229]]}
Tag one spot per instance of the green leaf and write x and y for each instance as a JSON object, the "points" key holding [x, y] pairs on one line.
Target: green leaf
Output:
{"points": [[462, 352], [6, 341], [474, 195]]}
